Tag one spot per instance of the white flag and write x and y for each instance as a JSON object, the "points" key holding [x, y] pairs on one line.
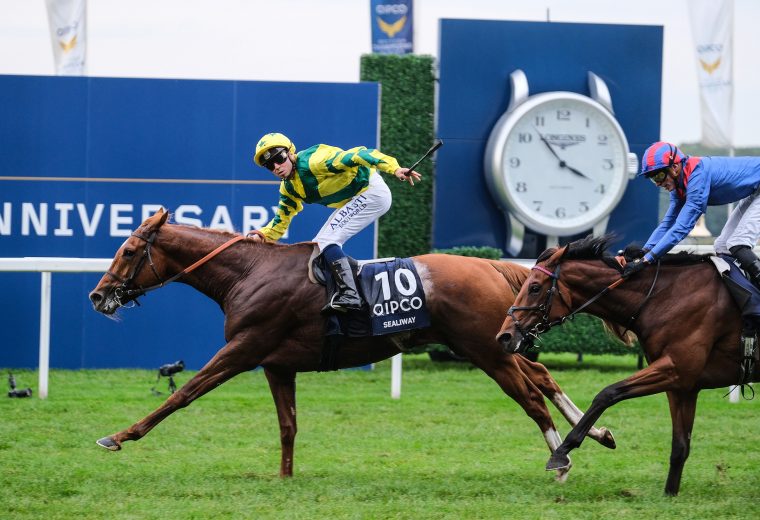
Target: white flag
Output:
{"points": [[68, 34], [712, 28]]}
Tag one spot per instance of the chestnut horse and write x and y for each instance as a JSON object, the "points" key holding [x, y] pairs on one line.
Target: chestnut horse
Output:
{"points": [[272, 320], [683, 315]]}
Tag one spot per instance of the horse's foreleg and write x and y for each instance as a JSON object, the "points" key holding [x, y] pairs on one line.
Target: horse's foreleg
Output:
{"points": [[519, 387], [283, 388], [683, 407], [228, 362], [657, 377], [541, 377]]}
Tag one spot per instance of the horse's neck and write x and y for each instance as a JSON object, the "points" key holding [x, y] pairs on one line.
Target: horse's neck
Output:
{"points": [[187, 245], [590, 278], [220, 274]]}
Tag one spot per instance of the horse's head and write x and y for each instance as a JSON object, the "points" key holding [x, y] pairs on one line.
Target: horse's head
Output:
{"points": [[132, 269], [539, 304]]}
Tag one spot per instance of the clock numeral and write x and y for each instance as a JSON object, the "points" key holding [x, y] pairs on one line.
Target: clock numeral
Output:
{"points": [[602, 189], [514, 162], [560, 212], [563, 115], [540, 121], [524, 137], [537, 204], [607, 164], [583, 206], [588, 122], [521, 187], [602, 141]]}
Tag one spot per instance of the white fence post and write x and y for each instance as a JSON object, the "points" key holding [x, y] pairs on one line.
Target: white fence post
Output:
{"points": [[45, 293], [396, 376]]}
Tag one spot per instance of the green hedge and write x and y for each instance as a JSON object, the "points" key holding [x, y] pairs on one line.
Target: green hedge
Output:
{"points": [[406, 132], [492, 253]]}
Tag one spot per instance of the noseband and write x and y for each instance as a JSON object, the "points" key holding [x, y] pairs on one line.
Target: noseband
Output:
{"points": [[125, 290]]}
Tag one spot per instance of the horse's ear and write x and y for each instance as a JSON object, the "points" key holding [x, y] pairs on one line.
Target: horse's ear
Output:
{"points": [[164, 216]]}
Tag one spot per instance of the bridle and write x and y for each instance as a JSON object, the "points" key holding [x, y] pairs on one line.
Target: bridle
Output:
{"points": [[131, 294], [545, 308]]}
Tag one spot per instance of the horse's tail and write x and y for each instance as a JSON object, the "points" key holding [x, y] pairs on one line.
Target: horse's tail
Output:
{"points": [[514, 274], [619, 332]]}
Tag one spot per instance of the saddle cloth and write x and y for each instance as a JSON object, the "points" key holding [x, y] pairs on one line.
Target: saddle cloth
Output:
{"points": [[744, 292], [392, 291]]}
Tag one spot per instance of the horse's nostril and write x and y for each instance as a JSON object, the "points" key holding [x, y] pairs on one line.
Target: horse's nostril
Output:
{"points": [[504, 338], [95, 297]]}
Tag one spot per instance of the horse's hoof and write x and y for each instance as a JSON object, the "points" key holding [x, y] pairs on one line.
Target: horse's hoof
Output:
{"points": [[108, 443], [608, 440], [558, 461], [562, 473]]}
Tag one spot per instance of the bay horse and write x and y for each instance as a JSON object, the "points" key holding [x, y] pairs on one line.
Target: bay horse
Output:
{"points": [[681, 311], [273, 320]]}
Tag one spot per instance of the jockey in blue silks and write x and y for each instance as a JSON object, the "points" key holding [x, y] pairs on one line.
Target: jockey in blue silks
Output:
{"points": [[695, 183]]}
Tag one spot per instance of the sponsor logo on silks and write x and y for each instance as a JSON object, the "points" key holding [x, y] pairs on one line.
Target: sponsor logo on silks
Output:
{"points": [[565, 140], [348, 211]]}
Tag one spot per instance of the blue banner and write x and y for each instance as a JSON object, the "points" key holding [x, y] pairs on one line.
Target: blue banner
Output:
{"points": [[83, 161], [392, 27]]}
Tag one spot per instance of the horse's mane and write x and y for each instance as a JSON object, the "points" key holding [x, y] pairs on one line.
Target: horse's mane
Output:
{"points": [[232, 234], [595, 248], [514, 274]]}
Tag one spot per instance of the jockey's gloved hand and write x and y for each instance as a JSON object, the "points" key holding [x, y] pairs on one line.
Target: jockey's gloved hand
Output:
{"points": [[634, 267]]}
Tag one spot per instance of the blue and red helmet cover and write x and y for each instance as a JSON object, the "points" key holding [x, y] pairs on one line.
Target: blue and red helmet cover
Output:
{"points": [[659, 155]]}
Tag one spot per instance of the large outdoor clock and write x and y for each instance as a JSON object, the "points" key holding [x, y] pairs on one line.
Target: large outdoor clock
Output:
{"points": [[557, 163]]}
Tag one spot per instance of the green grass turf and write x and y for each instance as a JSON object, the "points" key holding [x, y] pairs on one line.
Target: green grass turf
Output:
{"points": [[452, 447]]}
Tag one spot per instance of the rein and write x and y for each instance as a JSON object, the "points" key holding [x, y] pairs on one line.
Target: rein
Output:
{"points": [[545, 324], [125, 291]]}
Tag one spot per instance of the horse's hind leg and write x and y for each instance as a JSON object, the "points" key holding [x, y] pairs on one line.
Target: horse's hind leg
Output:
{"points": [[227, 363], [683, 406], [283, 386], [541, 377]]}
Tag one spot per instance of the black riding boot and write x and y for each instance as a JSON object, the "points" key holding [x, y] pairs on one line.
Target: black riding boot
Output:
{"points": [[749, 262], [347, 297]]}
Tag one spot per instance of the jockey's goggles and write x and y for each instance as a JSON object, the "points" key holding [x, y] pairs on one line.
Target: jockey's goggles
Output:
{"points": [[658, 176], [275, 157]]}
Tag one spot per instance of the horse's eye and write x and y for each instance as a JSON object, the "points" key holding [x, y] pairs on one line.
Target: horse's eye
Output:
{"points": [[534, 288], [129, 253]]}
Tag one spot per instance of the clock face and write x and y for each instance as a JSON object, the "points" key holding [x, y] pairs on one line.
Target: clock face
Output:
{"points": [[558, 162]]}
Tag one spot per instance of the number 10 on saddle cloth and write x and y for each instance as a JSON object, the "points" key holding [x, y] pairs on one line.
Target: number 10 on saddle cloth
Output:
{"points": [[394, 293]]}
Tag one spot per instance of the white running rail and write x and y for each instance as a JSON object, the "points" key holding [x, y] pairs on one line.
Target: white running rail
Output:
{"points": [[47, 266]]}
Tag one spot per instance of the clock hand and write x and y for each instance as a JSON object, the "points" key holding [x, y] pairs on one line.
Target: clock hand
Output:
{"points": [[549, 146], [576, 172], [562, 164]]}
